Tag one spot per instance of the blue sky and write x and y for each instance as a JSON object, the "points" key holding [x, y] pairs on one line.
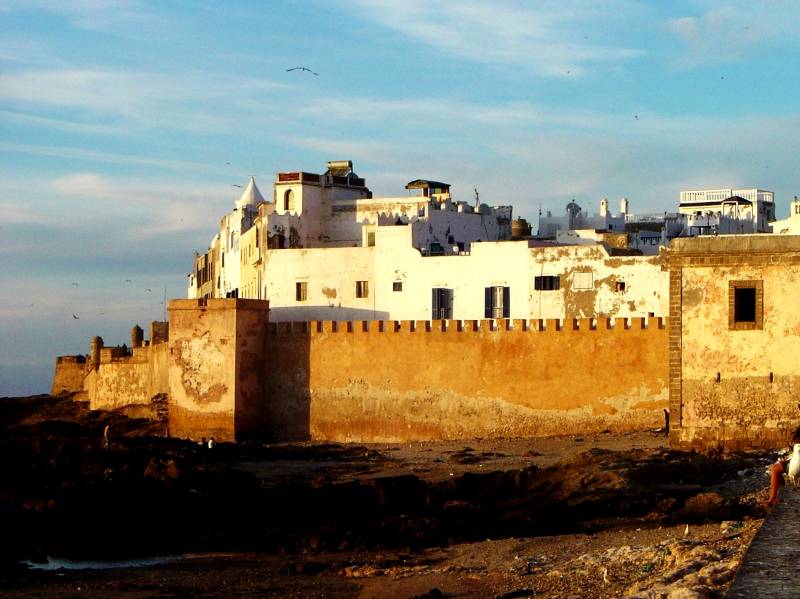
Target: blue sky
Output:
{"points": [[125, 125]]}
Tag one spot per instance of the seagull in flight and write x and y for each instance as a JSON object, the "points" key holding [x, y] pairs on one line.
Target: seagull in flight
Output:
{"points": [[75, 316], [302, 69], [74, 284]]}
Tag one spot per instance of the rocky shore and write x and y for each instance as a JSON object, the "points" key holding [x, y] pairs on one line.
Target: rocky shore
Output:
{"points": [[600, 516]]}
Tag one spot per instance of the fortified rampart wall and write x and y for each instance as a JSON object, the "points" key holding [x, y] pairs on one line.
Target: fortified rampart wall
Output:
{"points": [[115, 377], [125, 380], [232, 372], [417, 380], [68, 375]]}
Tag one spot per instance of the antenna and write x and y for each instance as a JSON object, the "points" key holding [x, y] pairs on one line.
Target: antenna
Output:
{"points": [[477, 197]]}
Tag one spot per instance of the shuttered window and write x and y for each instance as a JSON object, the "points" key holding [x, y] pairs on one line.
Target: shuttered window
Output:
{"points": [[497, 302], [547, 283], [441, 303]]}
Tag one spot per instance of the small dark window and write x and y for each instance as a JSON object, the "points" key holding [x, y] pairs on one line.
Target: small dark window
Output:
{"points": [[436, 249], [397, 286], [547, 283], [620, 286], [301, 291], [362, 289], [450, 239], [744, 302], [745, 305], [371, 239]]}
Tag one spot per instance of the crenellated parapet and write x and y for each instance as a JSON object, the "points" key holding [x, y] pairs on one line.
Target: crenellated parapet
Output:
{"points": [[550, 325]]}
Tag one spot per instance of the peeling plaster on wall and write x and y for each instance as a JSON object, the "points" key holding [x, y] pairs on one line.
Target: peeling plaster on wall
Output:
{"points": [[754, 402], [329, 292], [196, 356]]}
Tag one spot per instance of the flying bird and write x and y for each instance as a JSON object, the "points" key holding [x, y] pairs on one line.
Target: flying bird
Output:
{"points": [[636, 116], [239, 186], [302, 69], [148, 290], [75, 316], [127, 280], [74, 284], [794, 466]]}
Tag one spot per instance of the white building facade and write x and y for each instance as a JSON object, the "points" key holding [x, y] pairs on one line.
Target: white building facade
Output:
{"points": [[328, 250], [727, 211]]}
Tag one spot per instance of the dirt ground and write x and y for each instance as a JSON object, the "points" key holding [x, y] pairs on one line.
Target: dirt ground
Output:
{"points": [[603, 515]]}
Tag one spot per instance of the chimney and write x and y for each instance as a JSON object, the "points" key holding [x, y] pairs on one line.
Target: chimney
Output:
{"points": [[623, 206], [604, 207]]}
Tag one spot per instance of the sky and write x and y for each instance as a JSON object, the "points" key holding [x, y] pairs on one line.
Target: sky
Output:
{"points": [[125, 126]]}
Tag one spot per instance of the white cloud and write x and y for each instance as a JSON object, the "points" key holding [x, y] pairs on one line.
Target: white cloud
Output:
{"points": [[121, 17], [722, 34], [142, 100], [82, 154], [546, 38]]}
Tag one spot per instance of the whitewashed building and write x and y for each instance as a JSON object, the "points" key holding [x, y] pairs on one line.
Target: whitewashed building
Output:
{"points": [[791, 224], [326, 249], [727, 211]]}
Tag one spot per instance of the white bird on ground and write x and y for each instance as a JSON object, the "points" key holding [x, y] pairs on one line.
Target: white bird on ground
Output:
{"points": [[794, 466]]}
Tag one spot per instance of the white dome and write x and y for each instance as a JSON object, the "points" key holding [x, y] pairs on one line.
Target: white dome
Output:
{"points": [[251, 196]]}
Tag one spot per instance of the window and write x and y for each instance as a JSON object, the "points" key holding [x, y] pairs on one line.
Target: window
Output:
{"points": [[582, 280], [288, 200], [397, 286], [547, 283], [619, 286], [436, 249], [441, 303], [497, 302], [362, 289], [371, 239], [301, 291], [745, 305]]}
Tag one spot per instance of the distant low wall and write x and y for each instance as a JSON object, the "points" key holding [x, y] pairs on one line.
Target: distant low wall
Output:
{"points": [[401, 381], [68, 376], [129, 380]]}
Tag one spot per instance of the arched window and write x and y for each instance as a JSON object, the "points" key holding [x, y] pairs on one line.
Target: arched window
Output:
{"points": [[288, 200]]}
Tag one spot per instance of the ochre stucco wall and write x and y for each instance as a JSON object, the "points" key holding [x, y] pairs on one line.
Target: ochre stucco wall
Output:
{"points": [[209, 342], [373, 385], [755, 402]]}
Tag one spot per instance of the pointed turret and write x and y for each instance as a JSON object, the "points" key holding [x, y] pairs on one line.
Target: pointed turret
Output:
{"points": [[251, 196]]}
